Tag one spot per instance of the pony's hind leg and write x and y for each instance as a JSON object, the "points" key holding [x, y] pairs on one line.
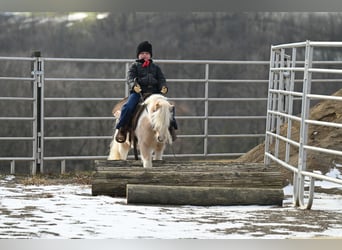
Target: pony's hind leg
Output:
{"points": [[123, 150], [114, 151], [118, 151]]}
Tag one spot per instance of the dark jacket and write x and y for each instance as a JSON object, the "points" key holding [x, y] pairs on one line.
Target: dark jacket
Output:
{"points": [[150, 78]]}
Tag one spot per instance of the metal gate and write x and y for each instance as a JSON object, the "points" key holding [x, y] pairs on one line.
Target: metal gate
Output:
{"points": [[54, 119], [292, 65]]}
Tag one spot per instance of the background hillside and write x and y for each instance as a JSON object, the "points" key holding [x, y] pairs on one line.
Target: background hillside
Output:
{"points": [[174, 35]]}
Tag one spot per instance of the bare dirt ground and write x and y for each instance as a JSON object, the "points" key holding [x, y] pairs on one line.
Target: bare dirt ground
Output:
{"points": [[64, 208], [61, 206]]}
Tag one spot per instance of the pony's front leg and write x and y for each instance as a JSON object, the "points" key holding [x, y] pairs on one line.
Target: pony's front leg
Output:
{"points": [[158, 154], [146, 156]]}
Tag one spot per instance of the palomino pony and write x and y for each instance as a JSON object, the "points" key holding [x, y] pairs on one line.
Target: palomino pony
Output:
{"points": [[152, 132]]}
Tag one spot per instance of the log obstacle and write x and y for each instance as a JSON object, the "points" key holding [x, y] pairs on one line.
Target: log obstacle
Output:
{"points": [[183, 180], [202, 196]]}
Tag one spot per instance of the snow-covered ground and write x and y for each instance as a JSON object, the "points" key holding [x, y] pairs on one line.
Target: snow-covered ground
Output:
{"points": [[70, 211]]}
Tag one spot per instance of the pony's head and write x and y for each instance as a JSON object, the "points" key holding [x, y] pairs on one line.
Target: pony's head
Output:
{"points": [[160, 113]]}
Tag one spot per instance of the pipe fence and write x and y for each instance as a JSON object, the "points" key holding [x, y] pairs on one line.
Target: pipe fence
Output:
{"points": [[56, 86], [285, 73]]}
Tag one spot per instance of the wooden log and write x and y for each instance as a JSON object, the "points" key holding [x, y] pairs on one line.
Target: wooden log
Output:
{"points": [[202, 196], [113, 181], [105, 166]]}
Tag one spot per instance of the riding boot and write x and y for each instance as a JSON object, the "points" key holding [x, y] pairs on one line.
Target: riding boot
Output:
{"points": [[173, 133], [121, 135], [173, 125]]}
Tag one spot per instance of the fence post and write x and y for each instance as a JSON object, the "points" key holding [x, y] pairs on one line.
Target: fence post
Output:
{"points": [[303, 136], [269, 117], [37, 89], [206, 111]]}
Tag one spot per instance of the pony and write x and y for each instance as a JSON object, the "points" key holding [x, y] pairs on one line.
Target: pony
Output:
{"points": [[151, 132]]}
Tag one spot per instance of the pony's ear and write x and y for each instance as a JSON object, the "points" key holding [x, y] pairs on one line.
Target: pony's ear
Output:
{"points": [[157, 106]]}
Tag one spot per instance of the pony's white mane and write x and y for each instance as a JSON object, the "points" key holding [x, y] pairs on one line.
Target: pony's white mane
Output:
{"points": [[161, 116]]}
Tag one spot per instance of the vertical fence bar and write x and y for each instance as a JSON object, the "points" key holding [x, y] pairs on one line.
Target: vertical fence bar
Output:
{"points": [[303, 137], [206, 110], [37, 72], [12, 171], [289, 121], [279, 100], [35, 125], [126, 77], [41, 97], [269, 106], [274, 95], [290, 103], [63, 166]]}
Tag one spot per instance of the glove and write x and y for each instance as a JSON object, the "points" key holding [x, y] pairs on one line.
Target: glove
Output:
{"points": [[164, 90], [137, 88]]}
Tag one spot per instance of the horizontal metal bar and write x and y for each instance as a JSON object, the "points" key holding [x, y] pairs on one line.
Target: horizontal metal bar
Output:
{"points": [[85, 79], [285, 92], [325, 44], [169, 80], [187, 98], [17, 99], [329, 71], [16, 78], [296, 118], [282, 163], [95, 60], [226, 99], [16, 118], [237, 81], [237, 136], [191, 136], [288, 45], [287, 69], [323, 150], [237, 99], [16, 138], [325, 97], [50, 138], [236, 117], [76, 118], [213, 62], [81, 99], [171, 99], [155, 60], [51, 158], [328, 124], [16, 158], [322, 177], [294, 143], [13, 58]]}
